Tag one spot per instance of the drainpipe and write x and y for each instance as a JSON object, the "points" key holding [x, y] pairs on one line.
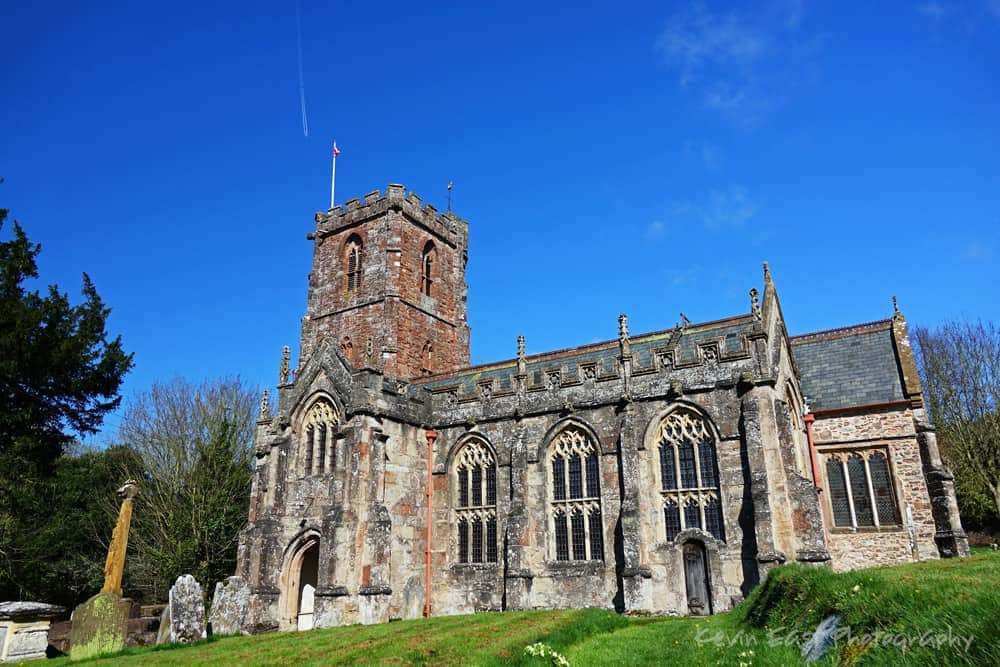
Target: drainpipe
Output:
{"points": [[431, 437], [809, 418]]}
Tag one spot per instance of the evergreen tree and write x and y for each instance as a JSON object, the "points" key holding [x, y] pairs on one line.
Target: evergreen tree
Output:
{"points": [[59, 377]]}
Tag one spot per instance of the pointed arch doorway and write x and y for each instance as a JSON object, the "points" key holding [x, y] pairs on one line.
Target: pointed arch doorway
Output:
{"points": [[298, 584]]}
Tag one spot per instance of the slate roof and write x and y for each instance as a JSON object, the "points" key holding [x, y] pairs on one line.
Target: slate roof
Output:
{"points": [[847, 367]]}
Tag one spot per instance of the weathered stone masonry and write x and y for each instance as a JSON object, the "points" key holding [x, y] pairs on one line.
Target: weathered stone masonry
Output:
{"points": [[665, 472]]}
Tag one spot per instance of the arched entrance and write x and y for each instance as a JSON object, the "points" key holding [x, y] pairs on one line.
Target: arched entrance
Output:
{"points": [[696, 579], [298, 585]]}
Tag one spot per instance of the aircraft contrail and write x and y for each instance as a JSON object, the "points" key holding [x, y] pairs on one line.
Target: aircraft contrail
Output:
{"points": [[302, 80]]}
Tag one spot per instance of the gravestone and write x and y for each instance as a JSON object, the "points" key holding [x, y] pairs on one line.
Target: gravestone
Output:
{"points": [[24, 629], [99, 626], [817, 646], [229, 607], [187, 610]]}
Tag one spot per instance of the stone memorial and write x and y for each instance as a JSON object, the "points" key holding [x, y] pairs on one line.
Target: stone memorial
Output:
{"points": [[100, 624], [229, 607], [24, 629], [187, 610]]}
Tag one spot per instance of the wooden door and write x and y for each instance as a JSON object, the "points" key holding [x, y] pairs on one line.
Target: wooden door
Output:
{"points": [[696, 579]]}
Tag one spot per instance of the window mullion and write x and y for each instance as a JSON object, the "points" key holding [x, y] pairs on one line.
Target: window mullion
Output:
{"points": [[697, 463], [850, 494], [871, 494]]}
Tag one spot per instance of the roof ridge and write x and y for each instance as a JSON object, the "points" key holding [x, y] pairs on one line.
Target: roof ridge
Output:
{"points": [[849, 330]]}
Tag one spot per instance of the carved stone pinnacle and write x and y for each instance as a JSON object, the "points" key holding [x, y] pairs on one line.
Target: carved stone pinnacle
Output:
{"points": [[283, 372], [265, 407], [623, 327]]}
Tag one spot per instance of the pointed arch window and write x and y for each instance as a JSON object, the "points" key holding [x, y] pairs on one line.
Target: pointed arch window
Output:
{"points": [[475, 474], [575, 507], [319, 428], [860, 489], [427, 261], [689, 475], [352, 263]]}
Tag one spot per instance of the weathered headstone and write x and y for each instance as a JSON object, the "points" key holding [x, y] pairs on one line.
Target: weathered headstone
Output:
{"points": [[187, 610], [817, 646], [163, 634], [229, 607], [100, 624], [24, 629]]}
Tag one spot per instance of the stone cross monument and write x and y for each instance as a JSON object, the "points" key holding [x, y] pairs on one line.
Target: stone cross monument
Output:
{"points": [[114, 565], [100, 623]]}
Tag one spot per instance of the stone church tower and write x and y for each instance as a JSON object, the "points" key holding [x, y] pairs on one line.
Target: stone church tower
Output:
{"points": [[664, 472], [388, 284]]}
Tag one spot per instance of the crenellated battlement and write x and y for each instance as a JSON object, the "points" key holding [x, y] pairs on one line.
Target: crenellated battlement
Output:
{"points": [[356, 211]]}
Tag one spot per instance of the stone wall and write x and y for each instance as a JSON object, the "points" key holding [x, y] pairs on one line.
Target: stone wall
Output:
{"points": [[890, 428]]}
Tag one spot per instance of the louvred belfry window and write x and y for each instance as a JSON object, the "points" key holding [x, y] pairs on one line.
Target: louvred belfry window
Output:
{"points": [[576, 523], [475, 477], [427, 261], [860, 489], [689, 475], [352, 252]]}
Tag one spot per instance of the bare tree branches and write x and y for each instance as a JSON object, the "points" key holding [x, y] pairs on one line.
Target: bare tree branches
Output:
{"points": [[196, 447], [960, 366]]}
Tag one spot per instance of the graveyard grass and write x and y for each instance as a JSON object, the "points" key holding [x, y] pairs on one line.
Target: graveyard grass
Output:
{"points": [[913, 614]]}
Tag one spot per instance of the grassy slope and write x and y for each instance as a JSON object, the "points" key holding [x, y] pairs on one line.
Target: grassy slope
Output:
{"points": [[925, 601]]}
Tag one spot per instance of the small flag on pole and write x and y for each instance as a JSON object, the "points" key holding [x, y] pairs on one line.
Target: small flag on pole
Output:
{"points": [[333, 173]]}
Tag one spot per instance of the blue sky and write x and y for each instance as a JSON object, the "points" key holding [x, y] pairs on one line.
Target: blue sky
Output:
{"points": [[610, 157]]}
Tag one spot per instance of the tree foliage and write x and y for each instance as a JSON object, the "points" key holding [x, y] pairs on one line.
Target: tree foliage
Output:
{"points": [[960, 368], [59, 376], [194, 444]]}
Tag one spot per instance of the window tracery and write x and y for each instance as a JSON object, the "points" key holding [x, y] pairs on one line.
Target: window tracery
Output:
{"points": [[689, 475], [318, 429], [576, 523], [476, 506]]}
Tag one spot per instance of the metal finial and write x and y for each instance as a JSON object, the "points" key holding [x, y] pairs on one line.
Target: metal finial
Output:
{"points": [[283, 372], [684, 320], [895, 305], [451, 184]]}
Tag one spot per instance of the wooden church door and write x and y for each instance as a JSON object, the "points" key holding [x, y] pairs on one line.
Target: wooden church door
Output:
{"points": [[696, 578]]}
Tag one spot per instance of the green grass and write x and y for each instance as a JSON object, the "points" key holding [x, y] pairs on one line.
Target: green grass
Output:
{"points": [[907, 604]]}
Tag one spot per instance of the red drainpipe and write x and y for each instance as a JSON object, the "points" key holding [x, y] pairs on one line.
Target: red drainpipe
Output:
{"points": [[431, 437], [809, 418]]}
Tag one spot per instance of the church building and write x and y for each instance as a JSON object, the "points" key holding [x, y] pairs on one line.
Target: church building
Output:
{"points": [[662, 472]]}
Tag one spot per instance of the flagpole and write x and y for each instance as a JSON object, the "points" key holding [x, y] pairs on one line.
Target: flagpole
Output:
{"points": [[333, 174]]}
